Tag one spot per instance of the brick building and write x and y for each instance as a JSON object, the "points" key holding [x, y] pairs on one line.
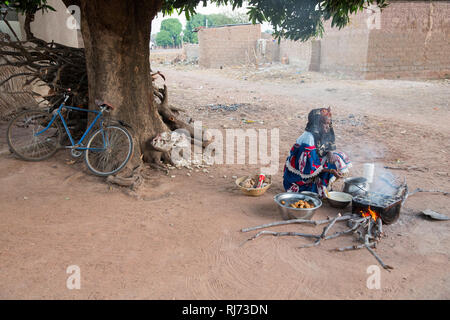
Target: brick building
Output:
{"points": [[408, 39], [228, 45]]}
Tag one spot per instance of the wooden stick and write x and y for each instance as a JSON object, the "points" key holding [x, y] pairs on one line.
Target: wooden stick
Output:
{"points": [[431, 191], [315, 243], [407, 168], [366, 244], [355, 247], [360, 235], [330, 225], [324, 233], [380, 228], [369, 228], [387, 267], [280, 234], [285, 222], [352, 229]]}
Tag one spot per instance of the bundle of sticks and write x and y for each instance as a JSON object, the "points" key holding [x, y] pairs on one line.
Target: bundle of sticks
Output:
{"points": [[366, 230], [49, 64]]}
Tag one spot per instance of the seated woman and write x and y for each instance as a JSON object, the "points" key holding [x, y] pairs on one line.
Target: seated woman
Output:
{"points": [[312, 164]]}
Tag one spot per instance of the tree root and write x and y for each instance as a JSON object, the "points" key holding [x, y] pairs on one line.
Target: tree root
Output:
{"points": [[133, 181], [169, 115]]}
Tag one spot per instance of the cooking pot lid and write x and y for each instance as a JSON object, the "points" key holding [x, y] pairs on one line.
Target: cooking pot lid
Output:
{"points": [[354, 180]]}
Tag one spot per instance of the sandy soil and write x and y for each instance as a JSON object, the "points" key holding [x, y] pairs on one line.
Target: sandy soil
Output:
{"points": [[181, 240]]}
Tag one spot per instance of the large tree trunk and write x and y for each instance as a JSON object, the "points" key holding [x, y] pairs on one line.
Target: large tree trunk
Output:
{"points": [[116, 35]]}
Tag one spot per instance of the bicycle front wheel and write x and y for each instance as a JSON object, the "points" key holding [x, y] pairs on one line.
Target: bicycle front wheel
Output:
{"points": [[27, 139], [108, 150]]}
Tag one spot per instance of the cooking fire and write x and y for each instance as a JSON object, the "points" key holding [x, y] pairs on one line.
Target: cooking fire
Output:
{"points": [[370, 211], [367, 227]]}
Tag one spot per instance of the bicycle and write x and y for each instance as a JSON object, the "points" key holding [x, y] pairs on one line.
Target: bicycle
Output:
{"points": [[36, 135]]}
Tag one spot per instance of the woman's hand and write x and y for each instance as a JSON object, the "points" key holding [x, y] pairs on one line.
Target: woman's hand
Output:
{"points": [[331, 157], [334, 172]]}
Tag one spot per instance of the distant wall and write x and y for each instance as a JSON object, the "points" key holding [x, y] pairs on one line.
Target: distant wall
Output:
{"points": [[271, 49], [191, 51], [413, 41], [298, 53], [408, 39], [345, 50], [52, 25], [228, 45]]}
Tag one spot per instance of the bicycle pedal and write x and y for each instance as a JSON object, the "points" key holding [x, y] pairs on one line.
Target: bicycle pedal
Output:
{"points": [[76, 153]]}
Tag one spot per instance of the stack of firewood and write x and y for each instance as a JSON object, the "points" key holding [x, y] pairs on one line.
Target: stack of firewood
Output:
{"points": [[366, 228]]}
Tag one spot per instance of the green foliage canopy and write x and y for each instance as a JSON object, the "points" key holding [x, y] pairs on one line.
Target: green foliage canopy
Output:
{"points": [[172, 27], [292, 19], [198, 20], [219, 19], [163, 39], [28, 6]]}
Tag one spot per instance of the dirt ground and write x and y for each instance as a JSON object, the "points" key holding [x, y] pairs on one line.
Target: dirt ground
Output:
{"points": [[182, 239]]}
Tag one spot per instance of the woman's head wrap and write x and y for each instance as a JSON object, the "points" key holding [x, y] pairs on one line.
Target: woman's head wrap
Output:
{"points": [[324, 141]]}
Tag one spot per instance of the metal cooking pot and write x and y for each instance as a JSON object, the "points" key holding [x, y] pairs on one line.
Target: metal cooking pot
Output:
{"points": [[356, 186]]}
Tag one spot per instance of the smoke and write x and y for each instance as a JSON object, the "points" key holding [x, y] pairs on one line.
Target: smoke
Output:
{"points": [[363, 151], [384, 181], [366, 152]]}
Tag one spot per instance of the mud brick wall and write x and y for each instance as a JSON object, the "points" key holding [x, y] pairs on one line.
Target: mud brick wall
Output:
{"points": [[298, 53], [408, 39], [191, 51], [52, 26], [272, 48], [228, 46], [314, 64], [413, 41], [345, 51]]}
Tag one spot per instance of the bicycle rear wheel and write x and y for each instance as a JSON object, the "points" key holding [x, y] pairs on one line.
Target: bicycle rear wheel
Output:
{"points": [[24, 142], [113, 150]]}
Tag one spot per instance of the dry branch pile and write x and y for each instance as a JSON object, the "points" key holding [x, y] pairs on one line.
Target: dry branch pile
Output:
{"points": [[47, 64], [366, 230], [12, 92]]}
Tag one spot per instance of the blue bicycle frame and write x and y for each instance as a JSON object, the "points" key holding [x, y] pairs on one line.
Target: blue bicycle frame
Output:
{"points": [[77, 145]]}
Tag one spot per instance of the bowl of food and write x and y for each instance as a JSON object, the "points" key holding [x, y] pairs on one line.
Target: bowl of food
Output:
{"points": [[249, 185], [338, 199], [296, 205]]}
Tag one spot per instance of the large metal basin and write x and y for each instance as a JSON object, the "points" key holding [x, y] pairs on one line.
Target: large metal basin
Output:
{"points": [[294, 213]]}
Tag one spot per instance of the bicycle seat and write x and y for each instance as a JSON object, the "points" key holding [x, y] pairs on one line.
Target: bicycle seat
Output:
{"points": [[101, 103]]}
